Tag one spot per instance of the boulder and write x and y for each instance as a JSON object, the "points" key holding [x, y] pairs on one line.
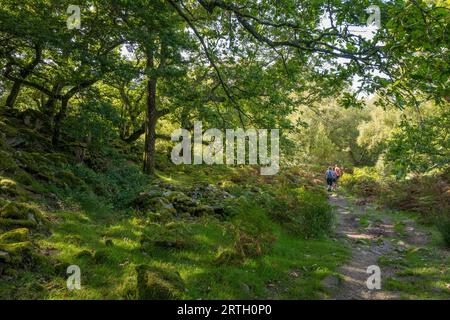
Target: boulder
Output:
{"points": [[158, 284], [17, 251], [21, 214], [174, 235], [227, 257], [15, 235], [9, 187]]}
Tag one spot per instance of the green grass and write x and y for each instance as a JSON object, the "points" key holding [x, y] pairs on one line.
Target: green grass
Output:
{"points": [[311, 259], [421, 274], [288, 268]]}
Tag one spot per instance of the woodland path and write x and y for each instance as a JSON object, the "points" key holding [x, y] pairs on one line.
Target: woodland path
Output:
{"points": [[369, 239]]}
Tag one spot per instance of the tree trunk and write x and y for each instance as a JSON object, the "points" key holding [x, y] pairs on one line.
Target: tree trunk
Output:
{"points": [[13, 94], [150, 121], [58, 122], [49, 107], [24, 73]]}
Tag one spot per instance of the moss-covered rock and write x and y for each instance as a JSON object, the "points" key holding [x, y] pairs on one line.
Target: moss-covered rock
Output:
{"points": [[4, 257], [227, 256], [182, 202], [201, 210], [158, 284], [21, 214], [10, 223], [176, 235], [7, 162], [34, 140], [84, 254], [35, 119], [15, 235], [73, 239], [9, 187], [18, 251]]}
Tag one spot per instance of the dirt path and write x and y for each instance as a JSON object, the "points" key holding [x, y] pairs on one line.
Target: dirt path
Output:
{"points": [[369, 239]]}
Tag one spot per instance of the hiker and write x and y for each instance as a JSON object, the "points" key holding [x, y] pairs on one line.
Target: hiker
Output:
{"points": [[329, 176], [338, 174]]}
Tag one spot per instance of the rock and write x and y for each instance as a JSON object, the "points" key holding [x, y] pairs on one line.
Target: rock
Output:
{"points": [[245, 287], [158, 284], [227, 257], [16, 235], [8, 223], [201, 210], [171, 235], [18, 251], [73, 239], [331, 282], [15, 141], [21, 214], [4, 257], [8, 187], [84, 254]]}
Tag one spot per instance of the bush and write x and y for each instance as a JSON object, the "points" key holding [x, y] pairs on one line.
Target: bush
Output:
{"points": [[423, 194], [363, 182], [121, 182], [252, 228], [301, 211], [314, 217]]}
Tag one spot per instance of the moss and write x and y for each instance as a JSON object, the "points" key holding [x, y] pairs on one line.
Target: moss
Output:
{"points": [[182, 202], [84, 254], [18, 251], [227, 257], [60, 268], [5, 257], [158, 284], [7, 223], [17, 213], [7, 129], [73, 239], [174, 235], [7, 163], [24, 178], [34, 140], [16, 235], [201, 210], [68, 178], [9, 187], [57, 157], [101, 256]]}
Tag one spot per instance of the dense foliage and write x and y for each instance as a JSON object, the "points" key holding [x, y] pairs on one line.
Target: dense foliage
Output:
{"points": [[87, 110]]}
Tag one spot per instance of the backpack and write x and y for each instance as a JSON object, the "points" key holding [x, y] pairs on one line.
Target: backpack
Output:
{"points": [[330, 174]]}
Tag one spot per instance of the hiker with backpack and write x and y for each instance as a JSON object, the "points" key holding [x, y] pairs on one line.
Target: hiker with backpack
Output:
{"points": [[330, 176], [338, 174]]}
